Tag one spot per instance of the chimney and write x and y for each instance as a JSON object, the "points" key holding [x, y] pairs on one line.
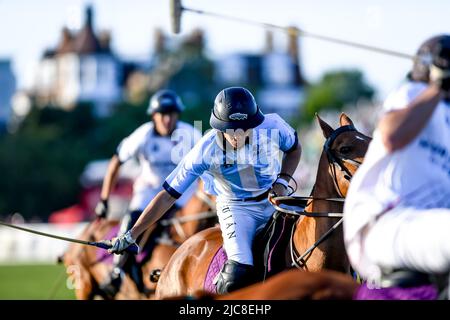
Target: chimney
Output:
{"points": [[89, 16], [160, 41], [66, 43], [293, 43], [294, 52], [105, 40], [269, 42], [196, 38]]}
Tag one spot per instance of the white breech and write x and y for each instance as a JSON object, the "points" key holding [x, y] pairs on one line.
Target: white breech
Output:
{"points": [[417, 239], [239, 222]]}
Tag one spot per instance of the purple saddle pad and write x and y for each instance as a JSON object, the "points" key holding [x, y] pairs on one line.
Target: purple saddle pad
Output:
{"points": [[424, 292], [214, 268]]}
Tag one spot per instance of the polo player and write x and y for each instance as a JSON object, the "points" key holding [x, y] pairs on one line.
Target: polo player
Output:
{"points": [[152, 145], [245, 157]]}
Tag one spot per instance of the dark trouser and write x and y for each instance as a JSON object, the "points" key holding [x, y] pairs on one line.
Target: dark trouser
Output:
{"points": [[127, 262]]}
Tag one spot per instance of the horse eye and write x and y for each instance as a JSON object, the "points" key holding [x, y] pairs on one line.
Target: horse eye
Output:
{"points": [[345, 150]]}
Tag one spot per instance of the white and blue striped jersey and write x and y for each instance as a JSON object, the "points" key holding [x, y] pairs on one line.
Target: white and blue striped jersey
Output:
{"points": [[235, 174], [154, 152]]}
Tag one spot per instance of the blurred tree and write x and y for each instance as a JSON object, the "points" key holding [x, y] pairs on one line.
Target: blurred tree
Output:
{"points": [[335, 90], [190, 72], [42, 161]]}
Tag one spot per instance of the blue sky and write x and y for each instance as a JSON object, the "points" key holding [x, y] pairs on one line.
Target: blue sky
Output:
{"points": [[29, 26]]}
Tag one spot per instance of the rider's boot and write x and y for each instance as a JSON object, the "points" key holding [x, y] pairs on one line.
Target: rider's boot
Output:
{"points": [[233, 276]]}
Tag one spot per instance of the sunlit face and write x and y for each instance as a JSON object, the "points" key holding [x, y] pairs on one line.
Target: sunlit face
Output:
{"points": [[236, 138], [165, 123]]}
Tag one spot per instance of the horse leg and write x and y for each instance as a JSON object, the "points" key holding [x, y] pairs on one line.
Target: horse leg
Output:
{"points": [[160, 257]]}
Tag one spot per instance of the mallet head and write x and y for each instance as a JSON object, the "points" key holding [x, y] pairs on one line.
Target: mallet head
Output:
{"points": [[175, 14]]}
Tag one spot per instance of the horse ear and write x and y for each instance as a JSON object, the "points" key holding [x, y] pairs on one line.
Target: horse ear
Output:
{"points": [[344, 120], [326, 129]]}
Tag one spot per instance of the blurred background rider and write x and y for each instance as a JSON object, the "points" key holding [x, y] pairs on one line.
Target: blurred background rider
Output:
{"points": [[152, 145], [250, 155]]}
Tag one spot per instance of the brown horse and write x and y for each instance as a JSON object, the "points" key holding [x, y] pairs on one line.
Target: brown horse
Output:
{"points": [[344, 150], [87, 270], [299, 285], [291, 284]]}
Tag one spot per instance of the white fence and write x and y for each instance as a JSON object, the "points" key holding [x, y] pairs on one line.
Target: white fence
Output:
{"points": [[22, 247]]}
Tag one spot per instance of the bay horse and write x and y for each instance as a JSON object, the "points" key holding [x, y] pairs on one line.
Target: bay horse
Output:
{"points": [[88, 267], [293, 284], [343, 152]]}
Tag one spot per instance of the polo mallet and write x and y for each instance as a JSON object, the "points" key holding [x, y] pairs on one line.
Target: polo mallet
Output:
{"points": [[176, 10], [105, 244]]}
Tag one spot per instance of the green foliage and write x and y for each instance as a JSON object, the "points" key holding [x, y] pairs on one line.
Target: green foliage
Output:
{"points": [[335, 90], [41, 163], [193, 82]]}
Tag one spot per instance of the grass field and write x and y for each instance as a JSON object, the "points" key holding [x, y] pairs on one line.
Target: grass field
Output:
{"points": [[34, 282]]}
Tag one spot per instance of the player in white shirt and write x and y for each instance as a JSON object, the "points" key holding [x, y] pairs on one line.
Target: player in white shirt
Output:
{"points": [[397, 211], [152, 144], [243, 158]]}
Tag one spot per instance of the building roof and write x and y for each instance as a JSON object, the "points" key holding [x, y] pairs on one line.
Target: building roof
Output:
{"points": [[84, 41]]}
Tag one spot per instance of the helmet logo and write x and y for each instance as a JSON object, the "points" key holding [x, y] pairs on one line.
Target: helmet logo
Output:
{"points": [[238, 116], [166, 101]]}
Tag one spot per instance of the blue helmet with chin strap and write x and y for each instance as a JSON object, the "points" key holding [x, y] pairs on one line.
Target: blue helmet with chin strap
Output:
{"points": [[235, 108], [165, 101]]}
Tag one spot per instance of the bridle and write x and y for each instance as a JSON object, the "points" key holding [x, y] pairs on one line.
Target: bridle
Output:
{"points": [[299, 261], [334, 159]]}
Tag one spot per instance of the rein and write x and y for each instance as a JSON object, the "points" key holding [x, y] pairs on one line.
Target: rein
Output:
{"points": [[277, 200], [299, 260]]}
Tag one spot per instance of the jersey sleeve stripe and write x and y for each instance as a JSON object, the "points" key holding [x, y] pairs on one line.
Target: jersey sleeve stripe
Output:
{"points": [[174, 193], [295, 143]]}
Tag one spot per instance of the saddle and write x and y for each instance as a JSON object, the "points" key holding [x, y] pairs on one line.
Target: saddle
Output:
{"points": [[270, 247], [405, 278], [403, 284], [270, 250]]}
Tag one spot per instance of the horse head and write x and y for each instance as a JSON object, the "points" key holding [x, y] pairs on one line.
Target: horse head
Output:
{"points": [[343, 152]]}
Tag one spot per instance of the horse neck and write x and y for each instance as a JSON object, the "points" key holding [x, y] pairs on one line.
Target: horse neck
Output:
{"points": [[324, 188], [194, 206], [313, 228]]}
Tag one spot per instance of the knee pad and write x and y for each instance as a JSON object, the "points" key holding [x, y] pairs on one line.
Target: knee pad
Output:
{"points": [[233, 276]]}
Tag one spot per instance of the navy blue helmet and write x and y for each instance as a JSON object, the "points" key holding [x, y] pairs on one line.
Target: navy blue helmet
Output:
{"points": [[165, 101], [235, 108]]}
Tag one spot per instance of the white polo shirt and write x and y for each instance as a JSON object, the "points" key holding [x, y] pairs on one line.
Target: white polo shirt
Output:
{"points": [[418, 175]]}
